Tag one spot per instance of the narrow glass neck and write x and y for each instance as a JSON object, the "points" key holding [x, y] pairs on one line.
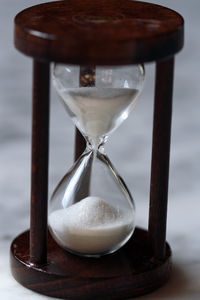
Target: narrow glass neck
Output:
{"points": [[96, 144]]}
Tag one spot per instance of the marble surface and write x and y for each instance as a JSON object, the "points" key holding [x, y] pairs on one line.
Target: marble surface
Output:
{"points": [[129, 147]]}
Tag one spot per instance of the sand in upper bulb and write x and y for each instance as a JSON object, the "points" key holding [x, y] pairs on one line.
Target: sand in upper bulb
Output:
{"points": [[98, 111]]}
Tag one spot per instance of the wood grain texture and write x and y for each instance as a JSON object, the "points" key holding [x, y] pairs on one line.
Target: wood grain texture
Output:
{"points": [[129, 272], [40, 153], [161, 155], [98, 32]]}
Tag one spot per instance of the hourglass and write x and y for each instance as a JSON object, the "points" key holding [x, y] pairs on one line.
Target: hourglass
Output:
{"points": [[86, 244], [92, 211]]}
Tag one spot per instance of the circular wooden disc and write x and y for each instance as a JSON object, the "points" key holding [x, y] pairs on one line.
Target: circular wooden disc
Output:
{"points": [[129, 272], [98, 32]]}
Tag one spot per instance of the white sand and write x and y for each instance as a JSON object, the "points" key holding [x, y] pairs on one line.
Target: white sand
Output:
{"points": [[98, 111], [90, 226]]}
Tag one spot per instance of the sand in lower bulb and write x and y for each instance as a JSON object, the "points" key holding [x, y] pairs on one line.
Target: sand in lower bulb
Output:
{"points": [[91, 227]]}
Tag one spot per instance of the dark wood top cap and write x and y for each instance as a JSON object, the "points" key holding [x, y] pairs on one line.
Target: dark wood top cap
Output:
{"points": [[98, 32]]}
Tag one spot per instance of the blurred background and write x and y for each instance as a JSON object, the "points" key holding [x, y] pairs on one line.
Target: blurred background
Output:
{"points": [[129, 148]]}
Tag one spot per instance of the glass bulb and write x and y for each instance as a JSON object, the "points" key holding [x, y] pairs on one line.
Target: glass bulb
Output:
{"points": [[98, 99]]}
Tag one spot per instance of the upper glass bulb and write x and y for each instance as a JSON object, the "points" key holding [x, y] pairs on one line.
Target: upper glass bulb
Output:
{"points": [[98, 99]]}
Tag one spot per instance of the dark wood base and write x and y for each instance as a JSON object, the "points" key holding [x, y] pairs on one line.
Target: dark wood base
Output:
{"points": [[130, 272]]}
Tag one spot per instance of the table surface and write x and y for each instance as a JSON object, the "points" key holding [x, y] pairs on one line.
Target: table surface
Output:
{"points": [[129, 149]]}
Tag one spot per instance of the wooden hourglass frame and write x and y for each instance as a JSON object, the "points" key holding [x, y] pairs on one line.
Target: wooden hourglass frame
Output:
{"points": [[92, 32]]}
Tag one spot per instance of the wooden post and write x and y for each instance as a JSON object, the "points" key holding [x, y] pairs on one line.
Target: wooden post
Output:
{"points": [[87, 79], [39, 179], [161, 156], [80, 144]]}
